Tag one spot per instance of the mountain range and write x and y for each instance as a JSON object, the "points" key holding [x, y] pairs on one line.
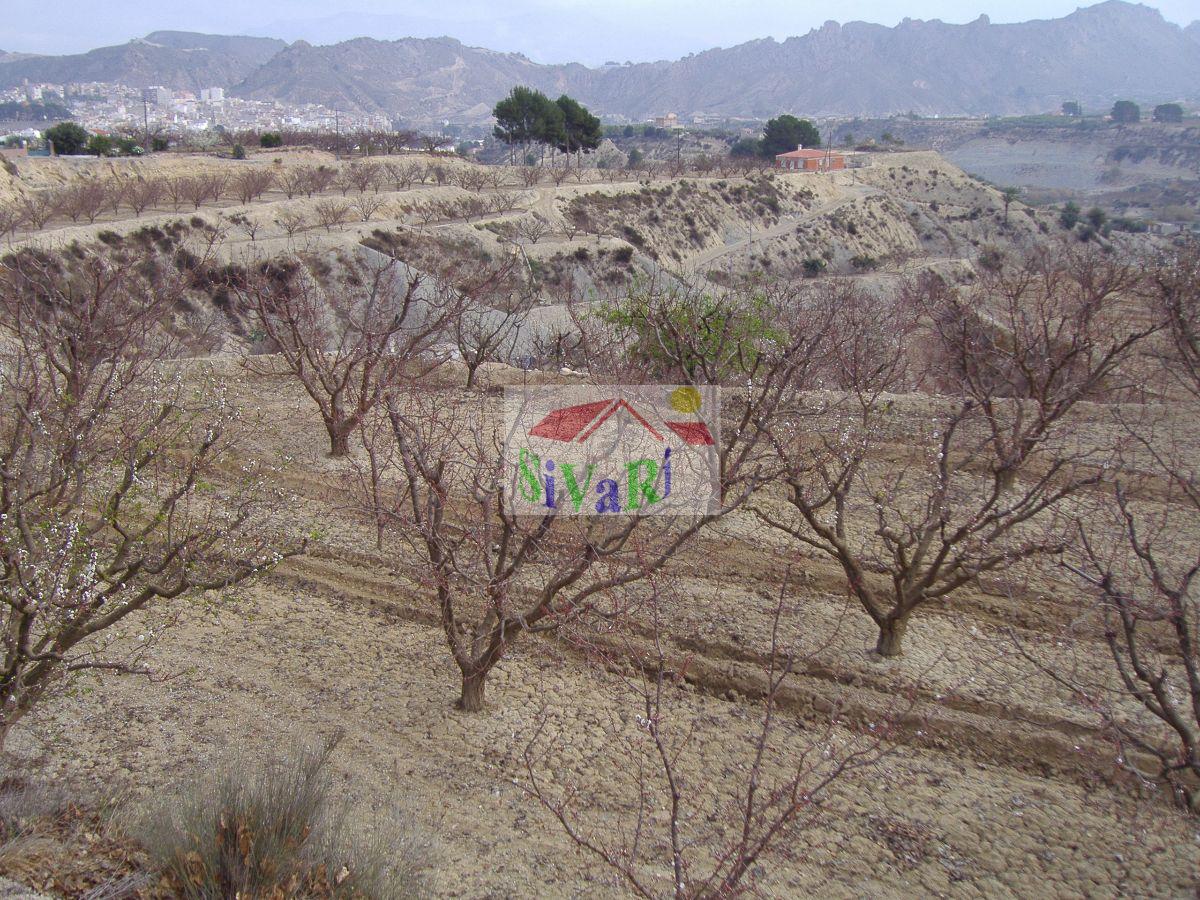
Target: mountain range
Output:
{"points": [[1098, 54], [175, 59]]}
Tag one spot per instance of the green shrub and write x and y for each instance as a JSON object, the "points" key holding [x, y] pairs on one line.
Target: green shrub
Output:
{"points": [[1070, 215], [101, 145], [675, 334], [270, 139], [239, 152], [275, 829]]}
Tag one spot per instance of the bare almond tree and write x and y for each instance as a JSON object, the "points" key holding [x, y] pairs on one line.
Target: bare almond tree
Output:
{"points": [[115, 492], [533, 227], [86, 197], [495, 305], [249, 225], [331, 212], [912, 514], [195, 189], [10, 220], [402, 174], [177, 191], [292, 181], [712, 832], [470, 178], [144, 193], [320, 179], [251, 183], [1140, 560], [367, 205], [292, 221], [360, 176], [39, 207], [350, 335], [494, 575]]}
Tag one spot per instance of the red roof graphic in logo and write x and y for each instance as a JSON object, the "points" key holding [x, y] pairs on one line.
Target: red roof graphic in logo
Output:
{"points": [[578, 423]]}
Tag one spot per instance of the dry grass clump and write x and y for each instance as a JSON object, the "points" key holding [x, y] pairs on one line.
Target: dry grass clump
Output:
{"points": [[28, 811], [277, 830]]}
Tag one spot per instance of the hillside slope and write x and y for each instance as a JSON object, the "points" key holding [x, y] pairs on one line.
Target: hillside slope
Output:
{"points": [[174, 59]]}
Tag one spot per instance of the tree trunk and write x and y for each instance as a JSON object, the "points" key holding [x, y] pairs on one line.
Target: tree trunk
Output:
{"points": [[891, 636], [472, 692], [339, 440], [471, 371]]}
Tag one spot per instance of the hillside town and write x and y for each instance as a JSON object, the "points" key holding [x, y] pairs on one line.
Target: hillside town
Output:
{"points": [[104, 107]]}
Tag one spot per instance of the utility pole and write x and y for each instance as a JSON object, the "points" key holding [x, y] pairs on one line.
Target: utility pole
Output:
{"points": [[146, 123]]}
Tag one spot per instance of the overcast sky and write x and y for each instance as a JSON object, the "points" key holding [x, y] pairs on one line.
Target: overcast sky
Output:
{"points": [[545, 30]]}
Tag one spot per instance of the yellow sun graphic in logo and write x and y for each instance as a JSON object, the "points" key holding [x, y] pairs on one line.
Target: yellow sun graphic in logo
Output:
{"points": [[685, 400]]}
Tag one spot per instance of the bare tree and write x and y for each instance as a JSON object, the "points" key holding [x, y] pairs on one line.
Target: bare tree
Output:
{"points": [[38, 207], [251, 183], [116, 189], [143, 193], [292, 181], [712, 834], [10, 220], [367, 205], [292, 220], [402, 174], [533, 227], [437, 173], [195, 189], [470, 178], [215, 183], [1141, 562], [912, 514], [320, 179], [331, 213], [428, 213], [495, 575], [348, 337], [86, 197], [114, 484], [178, 191], [247, 224], [495, 306], [360, 176], [559, 174]]}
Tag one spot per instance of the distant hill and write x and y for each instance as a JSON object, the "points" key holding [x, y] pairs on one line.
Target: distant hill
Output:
{"points": [[1095, 55], [1114, 50], [174, 59], [419, 78]]}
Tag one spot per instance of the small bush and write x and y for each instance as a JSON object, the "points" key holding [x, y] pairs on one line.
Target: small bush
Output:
{"points": [[275, 830], [239, 152], [270, 139]]}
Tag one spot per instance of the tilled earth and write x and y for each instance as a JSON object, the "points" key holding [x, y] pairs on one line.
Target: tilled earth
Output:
{"points": [[997, 783]]}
